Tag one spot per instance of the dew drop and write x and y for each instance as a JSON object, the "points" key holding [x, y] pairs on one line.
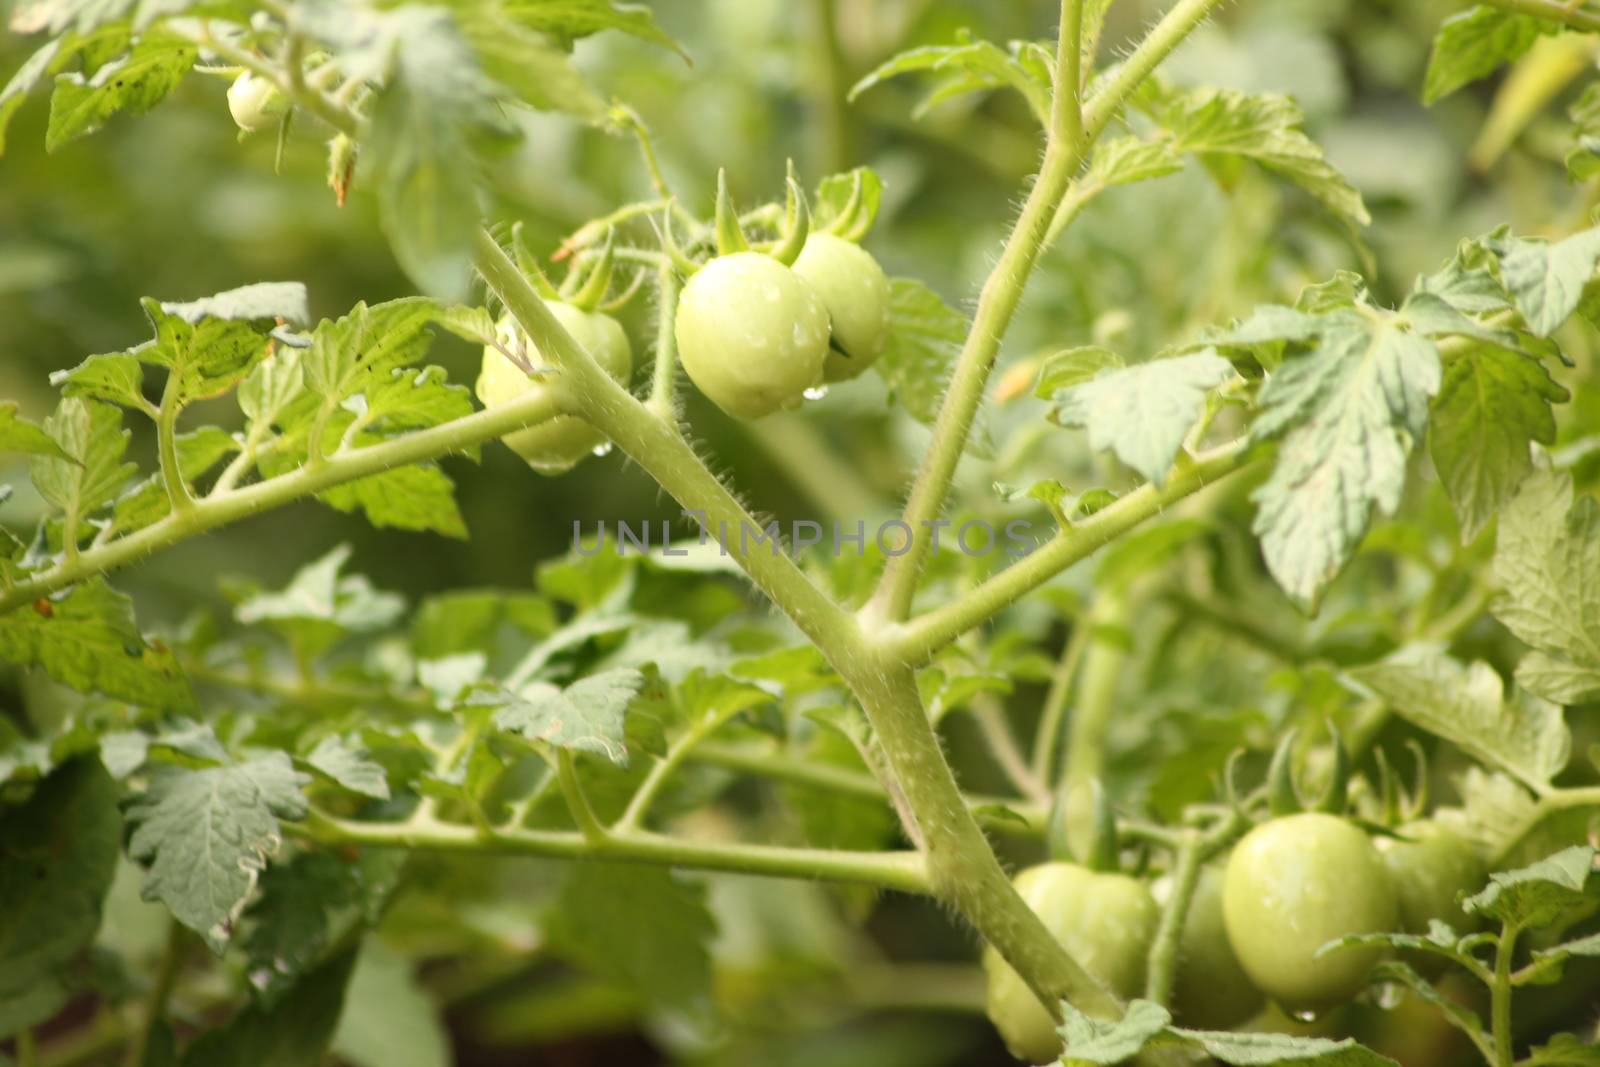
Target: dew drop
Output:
{"points": [[602, 449], [816, 392], [1306, 1016]]}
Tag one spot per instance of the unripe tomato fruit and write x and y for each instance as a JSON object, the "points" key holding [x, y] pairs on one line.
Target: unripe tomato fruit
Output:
{"points": [[752, 335], [856, 293], [558, 444], [1211, 990], [1105, 921], [1293, 885], [255, 102], [1429, 873]]}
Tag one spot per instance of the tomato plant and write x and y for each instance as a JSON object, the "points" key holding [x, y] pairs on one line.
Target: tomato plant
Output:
{"points": [[1095, 421]]}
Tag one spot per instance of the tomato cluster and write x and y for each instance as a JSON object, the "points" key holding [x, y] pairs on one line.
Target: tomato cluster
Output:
{"points": [[1255, 923], [753, 334]]}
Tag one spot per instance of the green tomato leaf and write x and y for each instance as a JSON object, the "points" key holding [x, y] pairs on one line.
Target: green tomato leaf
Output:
{"points": [[115, 377], [1224, 127], [1251, 1050], [586, 716], [1474, 43], [1073, 366], [92, 437], [1129, 159], [294, 1031], [1492, 405], [421, 149], [1547, 280], [643, 927], [321, 604], [205, 835], [1146, 1025], [60, 850], [1142, 413], [135, 84], [55, 16], [568, 20], [88, 640], [1547, 567], [1093, 1041], [1542, 893], [1526, 736], [970, 66], [418, 497], [351, 765], [264, 302], [925, 336], [1564, 1050], [363, 348], [1348, 409], [30, 74], [17, 434], [306, 909], [536, 72]]}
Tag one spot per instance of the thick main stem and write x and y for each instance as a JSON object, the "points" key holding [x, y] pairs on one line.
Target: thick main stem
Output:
{"points": [[961, 868]]}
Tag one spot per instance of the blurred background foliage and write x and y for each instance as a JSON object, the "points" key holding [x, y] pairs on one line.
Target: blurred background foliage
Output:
{"points": [[171, 206]]}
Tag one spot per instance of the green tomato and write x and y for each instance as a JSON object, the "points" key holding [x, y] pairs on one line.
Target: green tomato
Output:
{"points": [[255, 102], [1211, 990], [751, 335], [1293, 885], [856, 293], [1430, 873], [558, 444], [1105, 921]]}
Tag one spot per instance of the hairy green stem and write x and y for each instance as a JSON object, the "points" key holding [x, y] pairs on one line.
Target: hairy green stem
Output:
{"points": [[989, 712], [997, 304], [1047, 738], [1500, 997], [178, 496], [901, 871], [1163, 960], [220, 509], [664, 373], [918, 640], [961, 868], [1103, 664], [1074, 126], [589, 824], [656, 780]]}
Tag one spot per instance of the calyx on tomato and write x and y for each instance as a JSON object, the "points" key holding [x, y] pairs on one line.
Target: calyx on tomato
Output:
{"points": [[558, 444]]}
